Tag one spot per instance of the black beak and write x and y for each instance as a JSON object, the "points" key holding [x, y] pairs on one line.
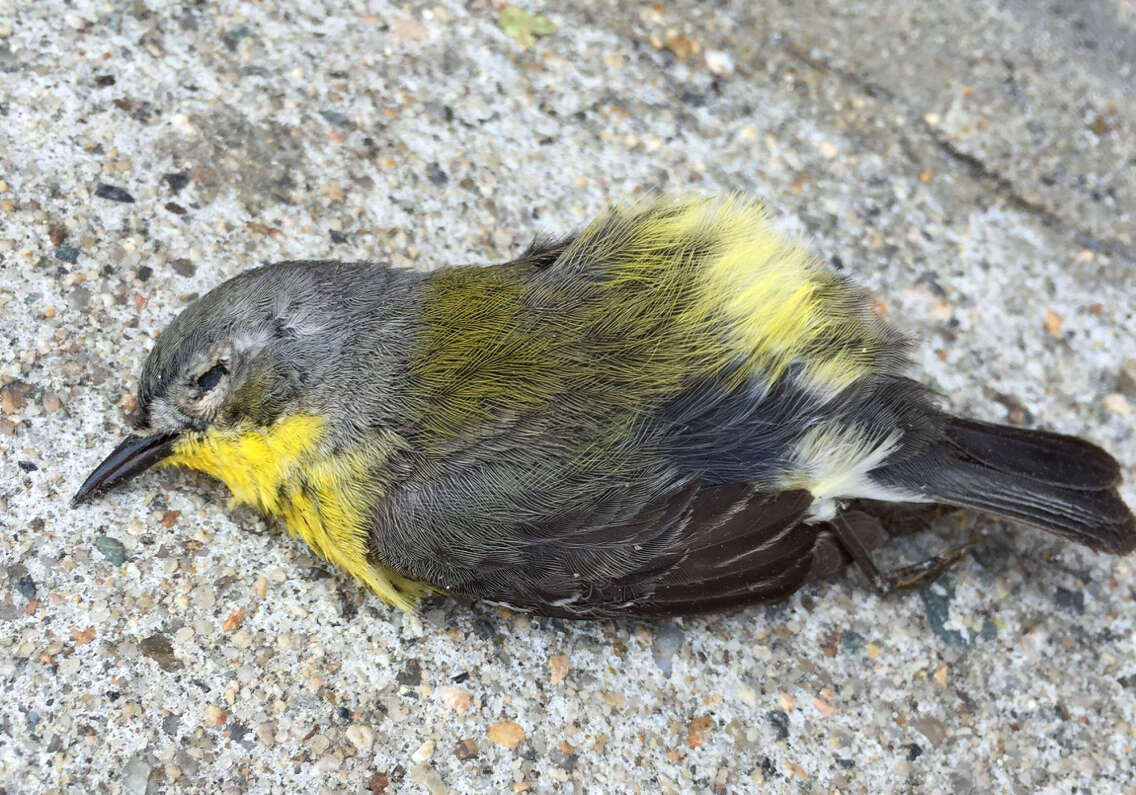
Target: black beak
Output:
{"points": [[134, 455]]}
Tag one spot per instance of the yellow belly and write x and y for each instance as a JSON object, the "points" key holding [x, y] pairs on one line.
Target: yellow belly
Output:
{"points": [[323, 499]]}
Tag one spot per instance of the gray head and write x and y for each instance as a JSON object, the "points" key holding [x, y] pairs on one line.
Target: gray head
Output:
{"points": [[244, 354], [225, 359]]}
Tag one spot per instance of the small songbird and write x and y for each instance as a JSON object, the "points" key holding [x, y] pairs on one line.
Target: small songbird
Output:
{"points": [[673, 411]]}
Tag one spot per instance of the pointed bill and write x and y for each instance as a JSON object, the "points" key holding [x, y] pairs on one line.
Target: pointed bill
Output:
{"points": [[135, 454]]}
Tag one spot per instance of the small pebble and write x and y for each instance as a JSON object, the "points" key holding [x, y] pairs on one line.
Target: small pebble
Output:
{"points": [[719, 62], [1117, 403], [669, 638], [235, 619], [136, 776], [436, 175], [424, 752], [507, 733], [361, 737], [113, 193], [14, 397], [698, 730], [466, 749], [558, 665], [26, 586], [327, 763], [682, 46], [795, 770], [159, 649], [183, 267], [779, 720], [411, 674], [203, 596], [335, 117], [214, 716], [111, 549], [455, 698], [266, 734], [428, 777], [1053, 322], [175, 182], [79, 298], [823, 707]]}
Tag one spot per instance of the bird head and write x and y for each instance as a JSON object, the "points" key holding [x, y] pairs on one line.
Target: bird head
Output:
{"points": [[235, 361]]}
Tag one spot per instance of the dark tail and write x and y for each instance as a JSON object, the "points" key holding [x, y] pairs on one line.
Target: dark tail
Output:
{"points": [[1061, 484]]}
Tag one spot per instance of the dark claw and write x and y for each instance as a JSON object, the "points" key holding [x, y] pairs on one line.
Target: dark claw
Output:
{"points": [[925, 572]]}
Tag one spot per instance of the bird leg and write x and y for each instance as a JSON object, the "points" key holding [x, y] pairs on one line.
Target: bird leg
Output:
{"points": [[904, 518], [849, 528], [925, 572]]}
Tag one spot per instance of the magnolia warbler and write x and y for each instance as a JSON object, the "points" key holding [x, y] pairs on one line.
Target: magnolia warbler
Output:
{"points": [[675, 410]]}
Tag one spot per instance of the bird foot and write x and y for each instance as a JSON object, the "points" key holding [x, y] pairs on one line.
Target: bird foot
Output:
{"points": [[904, 578]]}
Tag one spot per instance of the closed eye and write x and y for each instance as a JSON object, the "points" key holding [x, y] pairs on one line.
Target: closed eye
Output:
{"points": [[211, 377]]}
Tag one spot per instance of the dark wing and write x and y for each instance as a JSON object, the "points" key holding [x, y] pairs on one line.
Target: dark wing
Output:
{"points": [[731, 545], [746, 547]]}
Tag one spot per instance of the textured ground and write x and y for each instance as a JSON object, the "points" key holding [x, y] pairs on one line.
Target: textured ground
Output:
{"points": [[972, 163]]}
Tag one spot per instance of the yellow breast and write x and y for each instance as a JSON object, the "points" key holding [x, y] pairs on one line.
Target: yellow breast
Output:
{"points": [[284, 472]]}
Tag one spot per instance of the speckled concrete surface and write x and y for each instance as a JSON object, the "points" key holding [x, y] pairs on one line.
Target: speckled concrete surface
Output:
{"points": [[973, 164]]}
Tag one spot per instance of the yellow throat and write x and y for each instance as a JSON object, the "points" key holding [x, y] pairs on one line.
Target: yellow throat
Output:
{"points": [[284, 472]]}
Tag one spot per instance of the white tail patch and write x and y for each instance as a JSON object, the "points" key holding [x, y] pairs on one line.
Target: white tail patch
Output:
{"points": [[835, 462]]}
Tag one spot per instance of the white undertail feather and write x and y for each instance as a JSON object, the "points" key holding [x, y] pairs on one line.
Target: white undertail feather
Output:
{"points": [[834, 462]]}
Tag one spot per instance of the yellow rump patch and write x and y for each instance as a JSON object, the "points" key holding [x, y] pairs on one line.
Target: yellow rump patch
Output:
{"points": [[780, 303]]}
